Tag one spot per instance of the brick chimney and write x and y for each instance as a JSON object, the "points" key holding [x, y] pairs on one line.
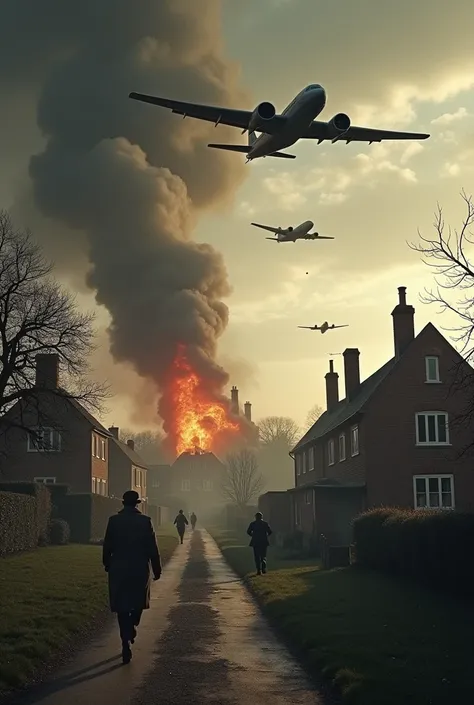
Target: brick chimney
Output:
{"points": [[403, 323], [332, 387], [47, 370], [234, 400], [351, 372], [131, 444], [114, 430], [248, 410]]}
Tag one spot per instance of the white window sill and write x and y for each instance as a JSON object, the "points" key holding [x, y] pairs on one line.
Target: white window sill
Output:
{"points": [[354, 455], [433, 381], [433, 445]]}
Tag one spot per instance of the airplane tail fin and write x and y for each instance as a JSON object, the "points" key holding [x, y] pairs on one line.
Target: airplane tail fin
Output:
{"points": [[244, 149]]}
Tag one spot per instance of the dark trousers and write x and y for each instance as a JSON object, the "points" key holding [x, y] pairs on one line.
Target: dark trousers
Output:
{"points": [[127, 621], [260, 555], [181, 533]]}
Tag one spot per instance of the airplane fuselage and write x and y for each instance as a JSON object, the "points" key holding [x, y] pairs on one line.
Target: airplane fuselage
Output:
{"points": [[297, 233], [324, 327], [299, 114]]}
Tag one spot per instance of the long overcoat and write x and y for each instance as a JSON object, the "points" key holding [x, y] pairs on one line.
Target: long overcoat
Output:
{"points": [[129, 551], [259, 531]]}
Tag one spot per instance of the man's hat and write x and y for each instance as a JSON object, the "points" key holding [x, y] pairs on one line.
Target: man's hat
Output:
{"points": [[131, 497]]}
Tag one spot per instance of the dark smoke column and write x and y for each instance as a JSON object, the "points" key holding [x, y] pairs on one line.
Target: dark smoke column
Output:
{"points": [[132, 177]]}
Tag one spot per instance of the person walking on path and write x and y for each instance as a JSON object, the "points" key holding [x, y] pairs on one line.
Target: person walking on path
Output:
{"points": [[259, 531], [129, 550], [193, 521], [181, 523]]}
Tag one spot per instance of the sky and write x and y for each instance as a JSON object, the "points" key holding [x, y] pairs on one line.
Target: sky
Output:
{"points": [[403, 66]]}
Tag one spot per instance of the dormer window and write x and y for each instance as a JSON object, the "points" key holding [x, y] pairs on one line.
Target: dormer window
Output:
{"points": [[432, 369]]}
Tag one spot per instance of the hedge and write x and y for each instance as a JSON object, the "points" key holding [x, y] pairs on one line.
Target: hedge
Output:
{"points": [[42, 496], [18, 523], [433, 547], [87, 515]]}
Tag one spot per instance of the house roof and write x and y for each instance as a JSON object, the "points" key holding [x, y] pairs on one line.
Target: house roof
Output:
{"points": [[346, 409], [129, 452], [96, 425]]}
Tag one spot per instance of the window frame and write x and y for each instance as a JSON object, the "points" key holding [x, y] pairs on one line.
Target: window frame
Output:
{"points": [[439, 477], [30, 443], [331, 452], [298, 464], [207, 485], [43, 480], [355, 450], [311, 459], [342, 437], [102, 448], [308, 497], [427, 367], [186, 482], [305, 461], [429, 443], [297, 511]]}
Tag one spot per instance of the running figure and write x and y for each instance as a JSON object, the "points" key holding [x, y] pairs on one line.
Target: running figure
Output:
{"points": [[181, 523], [193, 520]]}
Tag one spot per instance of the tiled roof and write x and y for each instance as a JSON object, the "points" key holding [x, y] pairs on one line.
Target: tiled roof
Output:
{"points": [[97, 426], [130, 453], [345, 410]]}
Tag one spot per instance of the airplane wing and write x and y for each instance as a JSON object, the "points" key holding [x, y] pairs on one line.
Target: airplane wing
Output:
{"points": [[315, 236], [345, 326], [318, 130], [309, 327], [266, 227], [210, 113]]}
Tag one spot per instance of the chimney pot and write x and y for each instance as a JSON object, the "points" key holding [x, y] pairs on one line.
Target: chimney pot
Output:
{"points": [[403, 323], [114, 430], [47, 370], [248, 410], [351, 372], [131, 444], [332, 387]]}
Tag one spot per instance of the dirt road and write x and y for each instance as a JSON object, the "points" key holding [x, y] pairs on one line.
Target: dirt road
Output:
{"points": [[202, 641]]}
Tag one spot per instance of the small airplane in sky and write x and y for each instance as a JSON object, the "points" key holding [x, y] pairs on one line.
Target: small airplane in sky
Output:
{"points": [[301, 232], [297, 121], [324, 327]]}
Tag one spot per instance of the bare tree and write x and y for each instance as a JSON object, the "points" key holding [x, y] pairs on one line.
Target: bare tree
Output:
{"points": [[281, 429], [446, 252], [243, 481], [313, 415], [147, 444], [36, 317]]}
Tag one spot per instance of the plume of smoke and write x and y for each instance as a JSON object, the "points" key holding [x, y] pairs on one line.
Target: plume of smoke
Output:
{"points": [[129, 177]]}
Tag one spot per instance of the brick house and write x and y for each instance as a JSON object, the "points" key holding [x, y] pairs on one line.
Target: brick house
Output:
{"points": [[195, 481], [127, 471], [66, 444], [392, 440]]}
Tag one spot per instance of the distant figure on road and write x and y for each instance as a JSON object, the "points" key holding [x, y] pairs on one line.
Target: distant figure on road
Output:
{"points": [[193, 521], [259, 530], [181, 523], [129, 548]]}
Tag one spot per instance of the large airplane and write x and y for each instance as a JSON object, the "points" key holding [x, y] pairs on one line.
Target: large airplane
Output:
{"points": [[296, 122], [323, 328], [301, 232]]}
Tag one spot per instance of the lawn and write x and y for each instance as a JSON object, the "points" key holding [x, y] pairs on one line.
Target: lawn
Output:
{"points": [[374, 638], [50, 597]]}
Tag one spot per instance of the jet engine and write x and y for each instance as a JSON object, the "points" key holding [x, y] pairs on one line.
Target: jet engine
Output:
{"points": [[290, 229], [338, 126], [263, 112]]}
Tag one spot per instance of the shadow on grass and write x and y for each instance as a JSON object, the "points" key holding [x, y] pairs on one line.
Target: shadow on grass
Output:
{"points": [[377, 640]]}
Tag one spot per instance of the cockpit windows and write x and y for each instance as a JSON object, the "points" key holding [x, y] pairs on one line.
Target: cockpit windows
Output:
{"points": [[312, 87]]}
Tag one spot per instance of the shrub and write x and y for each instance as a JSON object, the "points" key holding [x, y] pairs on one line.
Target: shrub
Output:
{"points": [[433, 547], [87, 515], [18, 525], [59, 532], [42, 507]]}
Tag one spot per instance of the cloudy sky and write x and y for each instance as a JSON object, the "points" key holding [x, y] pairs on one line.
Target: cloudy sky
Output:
{"points": [[407, 66]]}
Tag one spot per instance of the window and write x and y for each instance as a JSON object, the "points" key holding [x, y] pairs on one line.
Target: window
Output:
{"points": [[355, 440], [45, 480], [432, 428], [44, 439], [298, 464], [311, 458], [434, 491], [138, 477], [342, 447], [331, 452], [102, 448], [105, 491], [432, 368], [93, 445], [308, 497], [155, 482], [185, 485], [305, 461], [207, 485], [297, 512], [94, 485]]}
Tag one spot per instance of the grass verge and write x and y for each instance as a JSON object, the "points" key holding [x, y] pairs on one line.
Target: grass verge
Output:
{"points": [[377, 640], [51, 598]]}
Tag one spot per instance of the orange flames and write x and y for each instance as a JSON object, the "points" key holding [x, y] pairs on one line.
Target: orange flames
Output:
{"points": [[197, 420]]}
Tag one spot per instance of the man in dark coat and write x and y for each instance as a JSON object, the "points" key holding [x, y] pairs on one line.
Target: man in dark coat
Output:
{"points": [[259, 530], [129, 549], [181, 523], [194, 519]]}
